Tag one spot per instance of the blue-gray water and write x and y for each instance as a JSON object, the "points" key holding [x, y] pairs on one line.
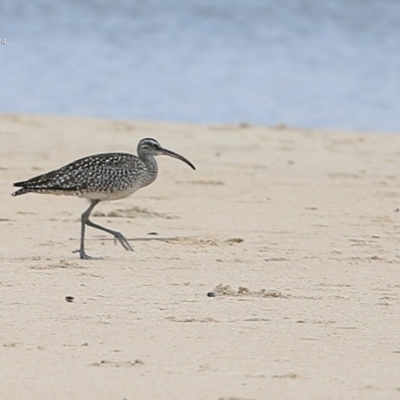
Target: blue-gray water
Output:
{"points": [[308, 63]]}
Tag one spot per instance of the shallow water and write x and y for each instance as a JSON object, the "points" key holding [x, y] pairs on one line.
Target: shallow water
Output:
{"points": [[327, 64]]}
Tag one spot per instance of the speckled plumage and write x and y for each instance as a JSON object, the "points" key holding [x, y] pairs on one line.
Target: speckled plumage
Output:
{"points": [[101, 177], [107, 176]]}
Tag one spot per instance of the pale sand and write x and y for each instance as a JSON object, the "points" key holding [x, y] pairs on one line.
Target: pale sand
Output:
{"points": [[317, 315]]}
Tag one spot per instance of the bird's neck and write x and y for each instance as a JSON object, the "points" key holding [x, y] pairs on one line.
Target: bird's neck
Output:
{"points": [[151, 164]]}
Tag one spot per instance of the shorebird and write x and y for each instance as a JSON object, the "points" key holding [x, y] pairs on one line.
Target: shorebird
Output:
{"points": [[102, 177]]}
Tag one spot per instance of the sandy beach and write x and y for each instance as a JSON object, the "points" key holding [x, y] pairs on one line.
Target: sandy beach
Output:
{"points": [[295, 232]]}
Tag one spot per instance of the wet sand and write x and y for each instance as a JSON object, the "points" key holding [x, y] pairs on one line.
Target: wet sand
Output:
{"points": [[293, 233]]}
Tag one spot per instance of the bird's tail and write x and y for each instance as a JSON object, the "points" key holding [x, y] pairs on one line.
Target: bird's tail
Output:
{"points": [[23, 190]]}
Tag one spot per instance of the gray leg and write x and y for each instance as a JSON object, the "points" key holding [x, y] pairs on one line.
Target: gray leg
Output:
{"points": [[86, 221], [84, 217]]}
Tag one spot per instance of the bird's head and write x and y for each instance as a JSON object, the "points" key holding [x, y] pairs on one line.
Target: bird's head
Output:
{"points": [[151, 147]]}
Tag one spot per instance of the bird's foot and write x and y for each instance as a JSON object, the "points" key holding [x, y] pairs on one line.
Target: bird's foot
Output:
{"points": [[85, 256], [123, 240]]}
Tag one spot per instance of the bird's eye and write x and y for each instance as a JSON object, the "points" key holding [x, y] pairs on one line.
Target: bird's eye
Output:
{"points": [[156, 146]]}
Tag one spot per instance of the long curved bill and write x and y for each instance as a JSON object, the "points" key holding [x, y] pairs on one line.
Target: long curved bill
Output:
{"points": [[170, 153]]}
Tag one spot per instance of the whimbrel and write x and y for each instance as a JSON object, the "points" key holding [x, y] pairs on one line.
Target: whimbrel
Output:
{"points": [[102, 177]]}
